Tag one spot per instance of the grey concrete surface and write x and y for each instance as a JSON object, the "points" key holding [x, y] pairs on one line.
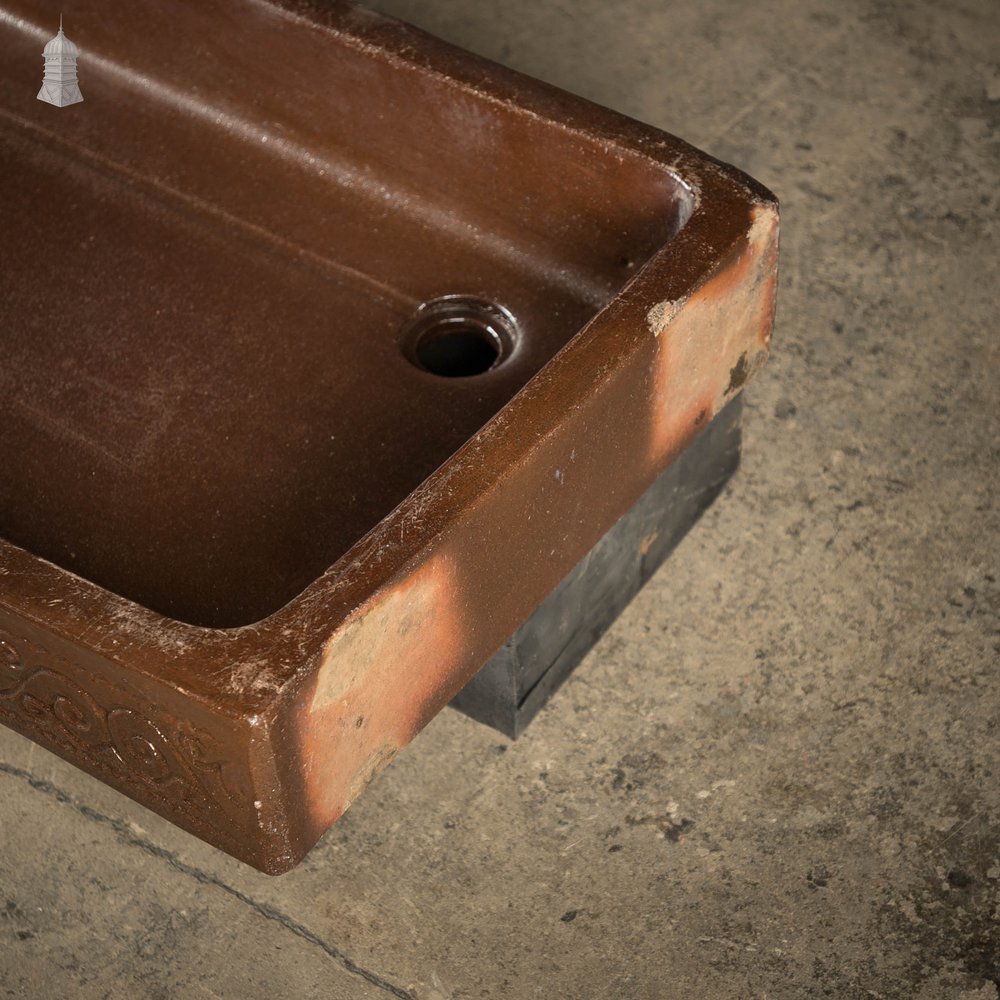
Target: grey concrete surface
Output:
{"points": [[777, 776]]}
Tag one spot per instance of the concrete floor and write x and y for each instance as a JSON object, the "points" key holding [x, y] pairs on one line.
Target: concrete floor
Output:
{"points": [[777, 776]]}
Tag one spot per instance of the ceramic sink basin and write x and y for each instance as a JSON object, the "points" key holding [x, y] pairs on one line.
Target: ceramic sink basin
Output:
{"points": [[326, 351]]}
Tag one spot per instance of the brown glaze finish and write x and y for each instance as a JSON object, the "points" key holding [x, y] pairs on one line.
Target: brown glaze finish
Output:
{"points": [[247, 548]]}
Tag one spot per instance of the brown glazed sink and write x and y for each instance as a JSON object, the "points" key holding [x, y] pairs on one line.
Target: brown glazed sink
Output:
{"points": [[249, 544]]}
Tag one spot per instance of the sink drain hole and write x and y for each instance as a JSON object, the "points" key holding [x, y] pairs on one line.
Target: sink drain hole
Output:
{"points": [[457, 336], [457, 353]]}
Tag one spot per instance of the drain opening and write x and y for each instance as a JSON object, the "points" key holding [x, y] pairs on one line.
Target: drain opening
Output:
{"points": [[457, 336], [459, 352]]}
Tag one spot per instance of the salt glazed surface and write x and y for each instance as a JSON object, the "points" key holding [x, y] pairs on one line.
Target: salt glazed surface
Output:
{"points": [[249, 549]]}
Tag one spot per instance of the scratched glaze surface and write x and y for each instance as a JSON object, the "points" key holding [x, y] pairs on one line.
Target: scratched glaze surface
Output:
{"points": [[247, 549]]}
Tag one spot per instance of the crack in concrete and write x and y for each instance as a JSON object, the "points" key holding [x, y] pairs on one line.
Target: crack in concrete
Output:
{"points": [[264, 910]]}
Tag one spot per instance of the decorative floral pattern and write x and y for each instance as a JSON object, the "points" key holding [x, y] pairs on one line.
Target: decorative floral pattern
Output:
{"points": [[161, 760]]}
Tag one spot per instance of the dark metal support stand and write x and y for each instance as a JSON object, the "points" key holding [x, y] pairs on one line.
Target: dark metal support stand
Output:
{"points": [[514, 685]]}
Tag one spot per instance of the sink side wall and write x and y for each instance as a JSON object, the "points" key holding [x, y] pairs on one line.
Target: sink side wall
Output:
{"points": [[406, 651], [323, 141]]}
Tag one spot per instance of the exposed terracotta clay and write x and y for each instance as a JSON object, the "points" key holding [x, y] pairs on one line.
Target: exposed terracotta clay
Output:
{"points": [[251, 541]]}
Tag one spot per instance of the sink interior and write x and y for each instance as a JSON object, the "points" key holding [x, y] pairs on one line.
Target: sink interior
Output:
{"points": [[207, 391]]}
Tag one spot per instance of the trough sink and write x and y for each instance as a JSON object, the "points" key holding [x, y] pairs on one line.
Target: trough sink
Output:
{"points": [[326, 351]]}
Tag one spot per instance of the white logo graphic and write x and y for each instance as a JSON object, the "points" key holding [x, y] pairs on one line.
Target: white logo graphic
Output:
{"points": [[59, 85]]}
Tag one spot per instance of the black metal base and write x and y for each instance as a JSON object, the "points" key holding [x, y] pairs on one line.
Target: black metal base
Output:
{"points": [[511, 688]]}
